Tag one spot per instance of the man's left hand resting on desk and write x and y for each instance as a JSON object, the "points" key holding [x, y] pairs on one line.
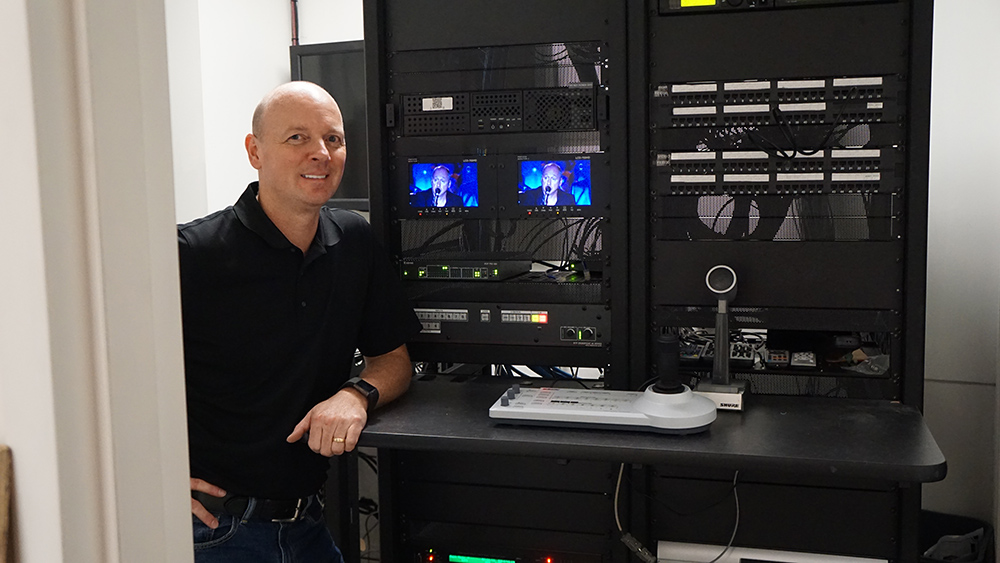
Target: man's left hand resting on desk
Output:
{"points": [[335, 424]]}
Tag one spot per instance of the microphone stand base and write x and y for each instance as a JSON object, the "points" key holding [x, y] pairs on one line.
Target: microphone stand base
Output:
{"points": [[727, 397]]}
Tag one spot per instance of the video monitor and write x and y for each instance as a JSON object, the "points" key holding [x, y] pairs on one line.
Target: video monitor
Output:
{"points": [[444, 186], [340, 69], [552, 185]]}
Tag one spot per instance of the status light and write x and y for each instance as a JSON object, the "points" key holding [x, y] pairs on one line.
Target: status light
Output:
{"points": [[696, 3], [543, 318]]}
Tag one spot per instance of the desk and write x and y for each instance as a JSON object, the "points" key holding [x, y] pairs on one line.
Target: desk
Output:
{"points": [[810, 440], [848, 438]]}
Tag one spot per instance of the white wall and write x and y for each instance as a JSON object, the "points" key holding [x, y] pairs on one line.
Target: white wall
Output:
{"points": [[963, 256], [186, 108]]}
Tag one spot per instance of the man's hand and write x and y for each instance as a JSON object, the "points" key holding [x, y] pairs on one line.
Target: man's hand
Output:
{"points": [[334, 425], [196, 507]]}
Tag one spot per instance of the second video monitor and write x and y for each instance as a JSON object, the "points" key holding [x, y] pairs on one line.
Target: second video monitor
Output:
{"points": [[501, 187]]}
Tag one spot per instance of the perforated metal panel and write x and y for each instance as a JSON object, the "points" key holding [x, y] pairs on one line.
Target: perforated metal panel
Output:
{"points": [[559, 110], [433, 124]]}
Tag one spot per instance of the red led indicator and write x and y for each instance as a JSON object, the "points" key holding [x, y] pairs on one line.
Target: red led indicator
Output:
{"points": [[544, 318]]}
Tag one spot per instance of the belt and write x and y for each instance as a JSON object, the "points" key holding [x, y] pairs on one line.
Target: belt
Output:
{"points": [[274, 510]]}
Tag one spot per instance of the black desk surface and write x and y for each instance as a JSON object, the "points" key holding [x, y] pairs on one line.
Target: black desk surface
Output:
{"points": [[818, 436]]}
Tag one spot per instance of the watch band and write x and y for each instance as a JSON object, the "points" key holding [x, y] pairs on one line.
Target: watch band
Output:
{"points": [[367, 390]]}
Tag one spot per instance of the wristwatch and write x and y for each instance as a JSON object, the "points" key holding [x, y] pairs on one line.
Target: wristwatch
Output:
{"points": [[367, 390]]}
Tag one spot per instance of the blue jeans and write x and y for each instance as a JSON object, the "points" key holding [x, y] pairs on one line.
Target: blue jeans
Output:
{"points": [[239, 540]]}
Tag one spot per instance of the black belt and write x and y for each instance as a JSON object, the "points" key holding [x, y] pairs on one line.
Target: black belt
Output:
{"points": [[274, 510]]}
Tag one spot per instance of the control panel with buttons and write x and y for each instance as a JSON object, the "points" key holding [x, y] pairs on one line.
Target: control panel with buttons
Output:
{"points": [[625, 410], [550, 324]]}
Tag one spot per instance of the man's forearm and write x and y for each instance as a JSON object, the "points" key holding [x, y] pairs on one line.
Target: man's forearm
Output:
{"points": [[390, 373]]}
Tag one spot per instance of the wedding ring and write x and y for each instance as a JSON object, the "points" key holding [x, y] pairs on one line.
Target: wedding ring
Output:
{"points": [[338, 440]]}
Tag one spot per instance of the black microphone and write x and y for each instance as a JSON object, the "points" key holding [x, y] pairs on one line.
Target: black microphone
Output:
{"points": [[721, 280], [668, 352]]}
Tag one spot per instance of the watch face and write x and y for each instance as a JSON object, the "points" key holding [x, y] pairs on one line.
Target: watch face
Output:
{"points": [[366, 389]]}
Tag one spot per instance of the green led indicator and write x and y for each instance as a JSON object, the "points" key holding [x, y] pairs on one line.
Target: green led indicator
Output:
{"points": [[468, 559], [444, 267], [579, 335], [496, 272]]}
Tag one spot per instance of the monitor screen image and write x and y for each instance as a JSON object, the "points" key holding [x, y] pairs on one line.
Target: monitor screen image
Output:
{"points": [[554, 183], [444, 184]]}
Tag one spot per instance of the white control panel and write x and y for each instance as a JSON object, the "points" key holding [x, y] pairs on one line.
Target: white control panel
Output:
{"points": [[680, 413], [675, 552]]}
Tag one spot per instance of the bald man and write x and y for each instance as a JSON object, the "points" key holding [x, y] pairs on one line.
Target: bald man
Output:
{"points": [[440, 194], [277, 293], [550, 193]]}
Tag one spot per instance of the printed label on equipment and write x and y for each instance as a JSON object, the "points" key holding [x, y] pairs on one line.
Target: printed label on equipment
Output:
{"points": [[745, 178], [755, 85], [703, 110], [856, 153], [691, 178], [744, 155], [862, 81], [439, 104], [787, 84], [749, 108], [685, 88], [814, 177], [818, 106], [856, 176], [692, 156]]}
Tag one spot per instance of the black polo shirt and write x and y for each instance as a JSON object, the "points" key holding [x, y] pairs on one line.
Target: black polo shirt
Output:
{"points": [[270, 332]]}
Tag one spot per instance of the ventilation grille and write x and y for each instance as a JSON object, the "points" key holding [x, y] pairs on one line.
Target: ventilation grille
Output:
{"points": [[431, 124], [559, 110], [496, 104], [832, 217]]}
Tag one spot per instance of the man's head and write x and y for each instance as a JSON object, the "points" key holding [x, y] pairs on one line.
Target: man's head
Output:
{"points": [[440, 180], [297, 146], [551, 177]]}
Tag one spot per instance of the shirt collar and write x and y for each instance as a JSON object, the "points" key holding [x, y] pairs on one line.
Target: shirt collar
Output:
{"points": [[251, 214]]}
